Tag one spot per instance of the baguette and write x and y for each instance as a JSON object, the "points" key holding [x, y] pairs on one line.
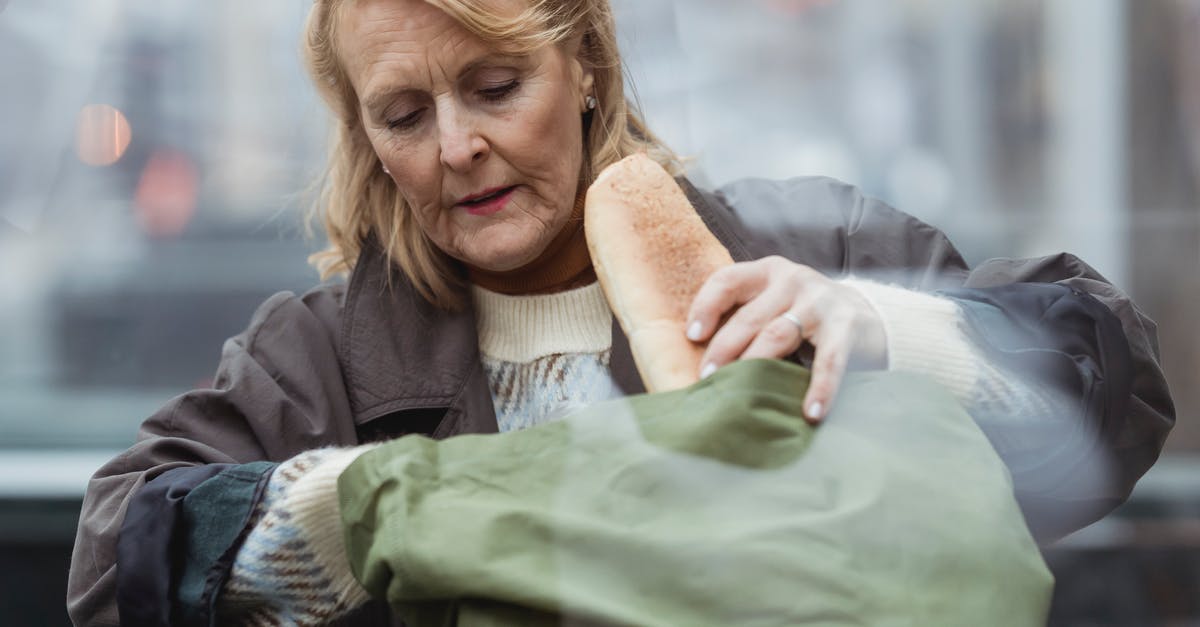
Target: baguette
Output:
{"points": [[651, 252]]}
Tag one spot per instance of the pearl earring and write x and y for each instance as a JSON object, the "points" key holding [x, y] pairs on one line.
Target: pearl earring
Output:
{"points": [[385, 170], [590, 102]]}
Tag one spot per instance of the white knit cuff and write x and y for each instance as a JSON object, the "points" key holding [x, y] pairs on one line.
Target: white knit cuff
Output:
{"points": [[313, 503], [924, 335]]}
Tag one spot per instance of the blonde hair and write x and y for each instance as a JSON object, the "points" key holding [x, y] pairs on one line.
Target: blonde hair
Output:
{"points": [[357, 199]]}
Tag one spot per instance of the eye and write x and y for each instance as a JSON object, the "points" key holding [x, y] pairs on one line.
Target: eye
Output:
{"points": [[406, 122], [499, 92]]}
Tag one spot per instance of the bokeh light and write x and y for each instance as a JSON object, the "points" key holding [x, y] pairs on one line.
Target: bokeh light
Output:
{"points": [[165, 200], [102, 136]]}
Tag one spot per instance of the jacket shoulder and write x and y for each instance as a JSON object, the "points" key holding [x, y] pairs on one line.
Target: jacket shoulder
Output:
{"points": [[286, 325], [811, 202], [836, 228], [319, 307], [284, 368]]}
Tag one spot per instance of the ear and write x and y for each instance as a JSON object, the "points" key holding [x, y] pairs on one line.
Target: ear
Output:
{"points": [[582, 70], [587, 83]]}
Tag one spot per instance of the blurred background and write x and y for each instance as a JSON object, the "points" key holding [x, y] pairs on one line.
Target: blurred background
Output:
{"points": [[156, 157]]}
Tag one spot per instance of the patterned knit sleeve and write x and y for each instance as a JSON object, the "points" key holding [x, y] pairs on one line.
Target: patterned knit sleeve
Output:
{"points": [[292, 568]]}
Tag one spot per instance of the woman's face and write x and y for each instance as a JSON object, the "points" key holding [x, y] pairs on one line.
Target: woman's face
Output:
{"points": [[485, 147]]}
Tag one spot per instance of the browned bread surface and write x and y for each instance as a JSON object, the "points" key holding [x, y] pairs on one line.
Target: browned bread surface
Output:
{"points": [[652, 253]]}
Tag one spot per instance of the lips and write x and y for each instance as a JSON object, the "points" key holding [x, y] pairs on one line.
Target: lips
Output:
{"points": [[485, 197], [487, 203]]}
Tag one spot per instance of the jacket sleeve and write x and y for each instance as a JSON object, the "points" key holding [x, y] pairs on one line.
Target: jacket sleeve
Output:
{"points": [[1059, 321], [278, 391], [181, 532], [1055, 314]]}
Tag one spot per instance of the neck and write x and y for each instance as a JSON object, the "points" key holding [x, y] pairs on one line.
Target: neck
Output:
{"points": [[564, 265]]}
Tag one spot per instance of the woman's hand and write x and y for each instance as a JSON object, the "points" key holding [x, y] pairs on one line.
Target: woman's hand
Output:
{"points": [[776, 306]]}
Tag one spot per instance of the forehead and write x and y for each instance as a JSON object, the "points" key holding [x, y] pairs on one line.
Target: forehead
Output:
{"points": [[368, 28], [408, 39]]}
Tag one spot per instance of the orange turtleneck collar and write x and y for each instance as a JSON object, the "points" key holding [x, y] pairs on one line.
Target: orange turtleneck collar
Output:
{"points": [[565, 264]]}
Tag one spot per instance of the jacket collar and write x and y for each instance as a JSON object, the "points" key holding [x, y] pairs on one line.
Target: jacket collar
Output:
{"points": [[400, 353]]}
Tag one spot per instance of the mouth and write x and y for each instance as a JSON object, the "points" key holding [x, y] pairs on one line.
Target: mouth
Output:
{"points": [[488, 202]]}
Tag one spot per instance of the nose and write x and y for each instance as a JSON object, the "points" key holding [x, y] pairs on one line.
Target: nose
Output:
{"points": [[459, 139]]}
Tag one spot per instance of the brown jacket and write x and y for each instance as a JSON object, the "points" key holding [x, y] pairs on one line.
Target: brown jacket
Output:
{"points": [[349, 363]]}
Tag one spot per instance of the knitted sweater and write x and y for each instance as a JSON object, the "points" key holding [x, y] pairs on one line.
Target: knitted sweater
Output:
{"points": [[544, 355]]}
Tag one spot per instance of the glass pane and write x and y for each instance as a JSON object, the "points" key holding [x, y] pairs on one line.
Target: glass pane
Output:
{"points": [[152, 188]]}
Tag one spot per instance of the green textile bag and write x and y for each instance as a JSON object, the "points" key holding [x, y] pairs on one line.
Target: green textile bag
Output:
{"points": [[712, 505]]}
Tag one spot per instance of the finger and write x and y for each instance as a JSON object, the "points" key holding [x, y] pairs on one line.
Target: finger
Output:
{"points": [[829, 367], [742, 327], [725, 289], [780, 338]]}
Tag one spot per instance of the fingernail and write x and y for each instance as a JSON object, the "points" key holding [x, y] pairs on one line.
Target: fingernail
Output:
{"points": [[708, 370], [693, 331], [814, 409]]}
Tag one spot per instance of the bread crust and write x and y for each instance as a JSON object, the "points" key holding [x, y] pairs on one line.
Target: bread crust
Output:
{"points": [[652, 252]]}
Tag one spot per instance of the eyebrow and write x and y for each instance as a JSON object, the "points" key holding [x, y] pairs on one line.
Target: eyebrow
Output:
{"points": [[379, 98]]}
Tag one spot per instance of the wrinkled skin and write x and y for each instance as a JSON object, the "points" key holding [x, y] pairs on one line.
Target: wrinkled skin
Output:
{"points": [[450, 117]]}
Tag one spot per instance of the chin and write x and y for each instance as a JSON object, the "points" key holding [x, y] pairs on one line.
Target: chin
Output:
{"points": [[504, 247], [504, 259]]}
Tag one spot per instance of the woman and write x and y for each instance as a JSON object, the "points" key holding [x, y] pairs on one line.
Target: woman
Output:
{"points": [[467, 133]]}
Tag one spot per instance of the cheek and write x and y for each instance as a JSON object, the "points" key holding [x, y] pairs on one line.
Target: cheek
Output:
{"points": [[418, 186], [549, 142], [561, 125], [416, 179]]}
